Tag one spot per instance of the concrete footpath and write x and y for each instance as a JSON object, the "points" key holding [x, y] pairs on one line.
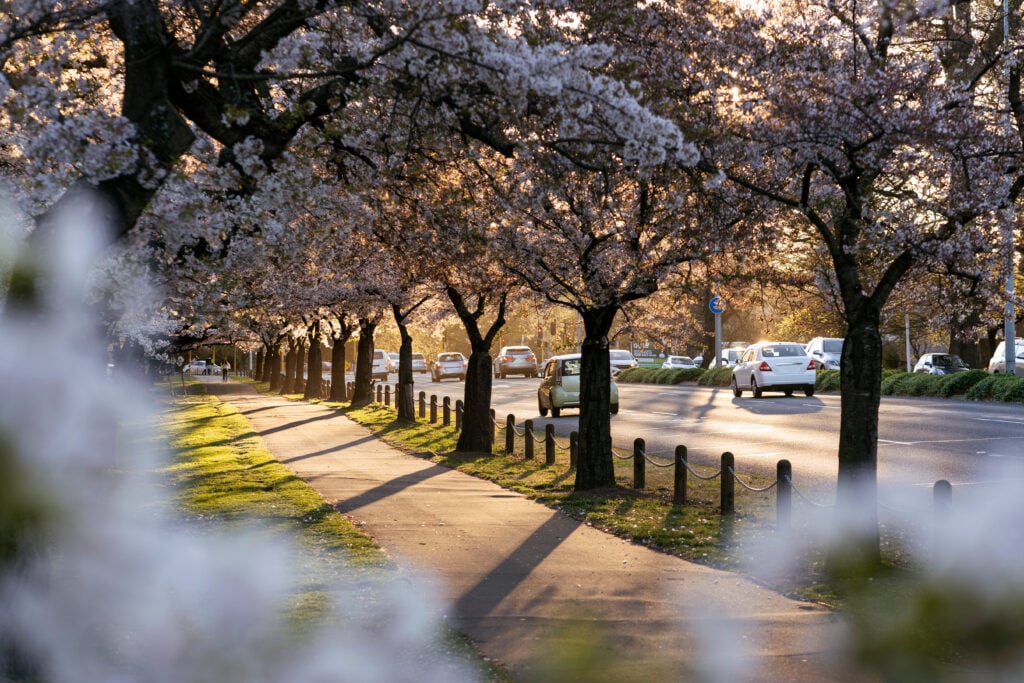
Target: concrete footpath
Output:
{"points": [[517, 574]]}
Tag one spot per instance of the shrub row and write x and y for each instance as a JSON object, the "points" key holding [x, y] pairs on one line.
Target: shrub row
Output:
{"points": [[976, 385]]}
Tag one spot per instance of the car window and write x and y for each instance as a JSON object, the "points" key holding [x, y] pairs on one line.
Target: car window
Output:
{"points": [[571, 367], [832, 345], [448, 357], [378, 355]]}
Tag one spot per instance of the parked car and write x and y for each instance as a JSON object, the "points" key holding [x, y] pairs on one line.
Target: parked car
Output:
{"points": [[678, 362], [825, 351], [381, 365], [449, 364], [998, 361], [940, 364], [729, 358], [560, 386], [620, 360], [197, 367], [419, 363], [775, 366], [515, 360], [393, 361]]}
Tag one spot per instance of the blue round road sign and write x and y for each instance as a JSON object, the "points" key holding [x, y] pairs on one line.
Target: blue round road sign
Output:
{"points": [[717, 305]]}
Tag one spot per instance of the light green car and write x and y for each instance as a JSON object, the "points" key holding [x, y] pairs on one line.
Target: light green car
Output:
{"points": [[560, 386]]}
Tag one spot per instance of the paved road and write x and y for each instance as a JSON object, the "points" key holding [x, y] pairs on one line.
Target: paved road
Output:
{"points": [[517, 574], [921, 440]]}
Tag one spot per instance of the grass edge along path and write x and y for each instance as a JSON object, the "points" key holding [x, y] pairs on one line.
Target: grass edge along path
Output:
{"points": [[224, 475]]}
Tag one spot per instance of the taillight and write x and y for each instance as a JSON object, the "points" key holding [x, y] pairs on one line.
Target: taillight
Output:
{"points": [[812, 366], [764, 367]]}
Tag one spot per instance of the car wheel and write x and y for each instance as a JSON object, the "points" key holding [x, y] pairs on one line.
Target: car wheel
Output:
{"points": [[555, 412], [754, 389], [736, 391], [541, 409], [809, 390], [501, 375], [789, 392], [614, 409], [433, 378]]}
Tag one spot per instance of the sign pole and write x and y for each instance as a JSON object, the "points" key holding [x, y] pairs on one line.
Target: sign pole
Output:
{"points": [[717, 306]]}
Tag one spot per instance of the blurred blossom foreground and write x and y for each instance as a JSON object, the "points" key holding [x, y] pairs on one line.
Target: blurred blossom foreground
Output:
{"points": [[98, 582]]}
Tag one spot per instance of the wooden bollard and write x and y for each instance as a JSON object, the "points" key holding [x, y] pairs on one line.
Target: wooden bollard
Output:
{"points": [[679, 488], [783, 495], [380, 393], [458, 414], [433, 409], [639, 464], [493, 420], [423, 404], [387, 395], [528, 440], [728, 484], [574, 448], [446, 411], [510, 434], [549, 444]]}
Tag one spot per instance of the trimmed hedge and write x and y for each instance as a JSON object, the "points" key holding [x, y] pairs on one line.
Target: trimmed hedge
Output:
{"points": [[999, 387], [659, 375], [716, 377]]}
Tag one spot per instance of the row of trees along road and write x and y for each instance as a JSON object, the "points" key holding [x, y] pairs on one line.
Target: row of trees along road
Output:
{"points": [[293, 171]]}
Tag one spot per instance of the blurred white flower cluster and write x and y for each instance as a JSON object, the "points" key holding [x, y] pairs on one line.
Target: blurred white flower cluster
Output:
{"points": [[97, 581]]}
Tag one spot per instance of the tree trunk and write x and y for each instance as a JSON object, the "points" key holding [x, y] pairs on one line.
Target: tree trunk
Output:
{"points": [[404, 392], [596, 466], [475, 436], [314, 365], [861, 391], [274, 367], [257, 371], [362, 393], [339, 385], [300, 368], [290, 361]]}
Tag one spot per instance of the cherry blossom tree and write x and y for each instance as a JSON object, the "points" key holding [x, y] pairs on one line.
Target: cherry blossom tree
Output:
{"points": [[859, 133]]}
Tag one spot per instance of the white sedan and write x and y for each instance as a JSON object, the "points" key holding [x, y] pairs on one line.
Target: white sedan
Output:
{"points": [[678, 362], [775, 366]]}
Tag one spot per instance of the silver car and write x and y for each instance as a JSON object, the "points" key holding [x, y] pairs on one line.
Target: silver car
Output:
{"points": [[775, 366], [515, 360], [940, 364], [621, 359], [449, 364]]}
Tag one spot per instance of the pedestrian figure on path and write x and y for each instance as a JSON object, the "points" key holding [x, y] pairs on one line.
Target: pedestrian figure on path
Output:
{"points": [[225, 367]]}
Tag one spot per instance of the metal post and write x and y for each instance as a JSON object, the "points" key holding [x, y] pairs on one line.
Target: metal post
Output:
{"points": [[549, 444], [942, 500], [528, 439], [380, 393], [679, 490], [783, 495], [510, 434], [433, 409], [728, 484], [446, 411], [494, 417], [423, 404], [906, 325], [639, 475], [458, 414]]}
